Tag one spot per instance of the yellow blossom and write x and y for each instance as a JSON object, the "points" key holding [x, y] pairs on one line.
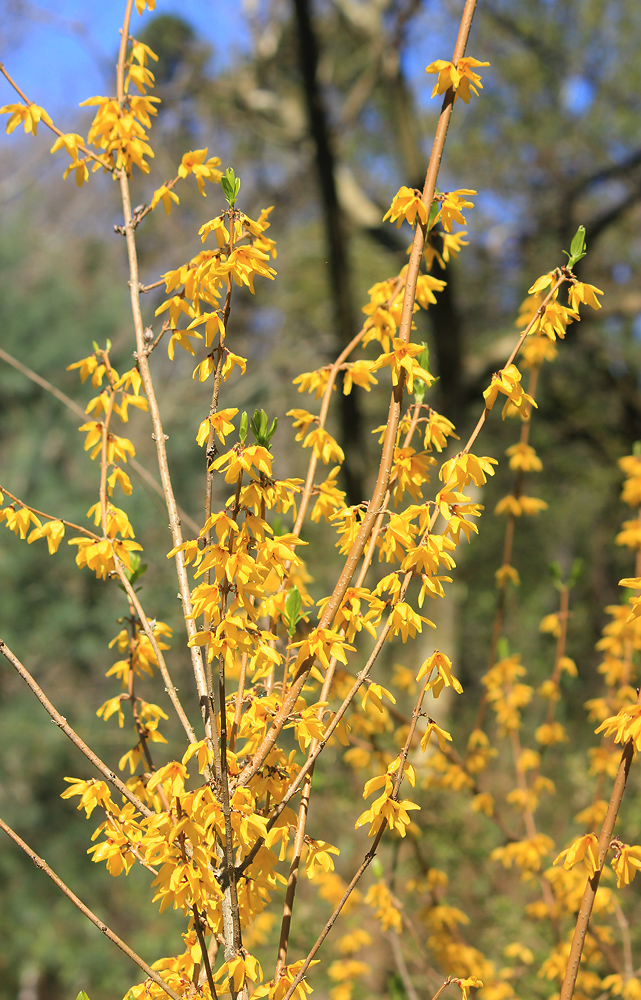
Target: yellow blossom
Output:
{"points": [[508, 382], [627, 864], [195, 162], [624, 726], [580, 292], [442, 736], [406, 206], [402, 361], [324, 446], [472, 981], [28, 115], [167, 196], [461, 77], [451, 205], [584, 849]]}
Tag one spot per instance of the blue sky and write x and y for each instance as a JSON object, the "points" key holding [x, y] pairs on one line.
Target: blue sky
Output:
{"points": [[58, 51], [62, 51]]}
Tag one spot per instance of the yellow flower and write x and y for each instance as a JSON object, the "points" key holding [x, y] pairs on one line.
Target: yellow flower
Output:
{"points": [[624, 726], [523, 458], [437, 430], [28, 115], [221, 424], [551, 733], [322, 643], [385, 808], [359, 373], [406, 205], [505, 573], [313, 381], [460, 77], [451, 205], [324, 446], [444, 676], [627, 864], [53, 531], [402, 359], [92, 793], [426, 285], [584, 849], [195, 162], [442, 736], [467, 468], [405, 620], [166, 195], [471, 981], [580, 292], [508, 382]]}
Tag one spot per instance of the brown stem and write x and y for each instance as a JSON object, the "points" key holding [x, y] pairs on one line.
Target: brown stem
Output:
{"points": [[369, 857], [203, 950], [145, 374], [509, 529], [624, 927], [62, 724], [40, 863], [238, 709], [133, 701], [299, 843], [160, 660], [49, 517], [393, 418], [439, 991], [585, 910], [158, 433]]}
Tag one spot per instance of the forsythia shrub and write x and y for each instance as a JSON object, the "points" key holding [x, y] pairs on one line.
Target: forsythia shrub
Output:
{"points": [[222, 830]]}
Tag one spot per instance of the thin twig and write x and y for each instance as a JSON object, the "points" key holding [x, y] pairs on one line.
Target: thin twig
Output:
{"points": [[50, 517], [40, 863], [78, 410], [369, 857], [587, 902], [401, 966], [62, 724], [158, 432], [564, 275], [87, 152], [149, 632]]}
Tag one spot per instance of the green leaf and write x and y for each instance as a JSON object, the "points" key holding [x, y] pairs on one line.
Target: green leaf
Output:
{"points": [[293, 610], [575, 572], [263, 433], [244, 424], [137, 573], [82, 996], [577, 248], [434, 210], [231, 186], [502, 648], [419, 385]]}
